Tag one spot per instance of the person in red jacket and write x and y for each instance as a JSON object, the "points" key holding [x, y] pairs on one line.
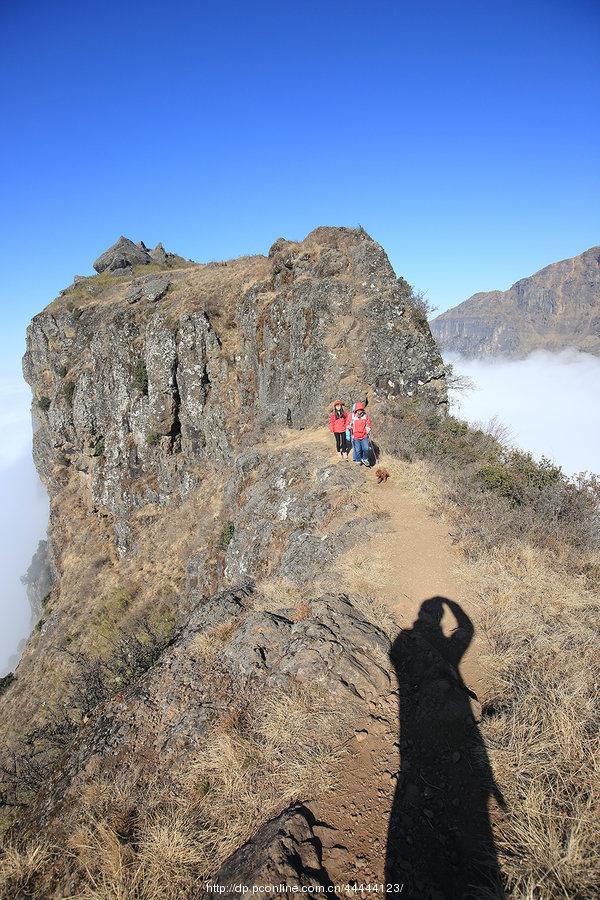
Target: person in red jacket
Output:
{"points": [[338, 422], [360, 429]]}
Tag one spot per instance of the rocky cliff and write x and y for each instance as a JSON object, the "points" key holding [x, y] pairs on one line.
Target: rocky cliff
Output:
{"points": [[196, 628], [140, 383], [555, 308]]}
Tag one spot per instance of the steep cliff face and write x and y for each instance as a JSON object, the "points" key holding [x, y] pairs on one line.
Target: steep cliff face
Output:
{"points": [[140, 391], [196, 540], [557, 307]]}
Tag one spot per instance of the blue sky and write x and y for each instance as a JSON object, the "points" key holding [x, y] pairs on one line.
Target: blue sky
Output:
{"points": [[464, 136]]}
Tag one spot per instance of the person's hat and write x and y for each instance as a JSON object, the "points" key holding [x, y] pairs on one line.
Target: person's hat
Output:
{"points": [[359, 406], [338, 403]]}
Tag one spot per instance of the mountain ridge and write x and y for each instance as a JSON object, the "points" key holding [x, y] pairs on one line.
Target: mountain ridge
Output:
{"points": [[555, 308], [259, 663], [196, 533]]}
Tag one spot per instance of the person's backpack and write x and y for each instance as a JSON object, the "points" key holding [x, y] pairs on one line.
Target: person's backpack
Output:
{"points": [[348, 435]]}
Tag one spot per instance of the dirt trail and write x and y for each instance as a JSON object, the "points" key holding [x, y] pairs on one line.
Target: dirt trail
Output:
{"points": [[414, 559], [411, 560]]}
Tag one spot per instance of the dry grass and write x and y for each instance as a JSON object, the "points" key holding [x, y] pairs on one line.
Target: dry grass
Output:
{"points": [[269, 752], [168, 860], [247, 773], [102, 598], [541, 722], [215, 290], [23, 870], [278, 593], [540, 616], [373, 609]]}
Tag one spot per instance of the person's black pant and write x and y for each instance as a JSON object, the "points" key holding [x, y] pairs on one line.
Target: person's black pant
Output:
{"points": [[341, 444]]}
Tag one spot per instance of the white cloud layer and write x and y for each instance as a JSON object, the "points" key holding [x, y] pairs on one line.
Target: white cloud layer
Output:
{"points": [[548, 401], [15, 419], [23, 514]]}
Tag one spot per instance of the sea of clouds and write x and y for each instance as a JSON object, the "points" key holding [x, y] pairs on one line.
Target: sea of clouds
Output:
{"points": [[550, 403], [23, 514]]}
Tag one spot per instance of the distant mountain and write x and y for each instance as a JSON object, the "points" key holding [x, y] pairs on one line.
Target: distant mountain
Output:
{"points": [[557, 307]]}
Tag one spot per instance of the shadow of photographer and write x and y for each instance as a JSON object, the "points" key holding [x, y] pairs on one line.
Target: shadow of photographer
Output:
{"points": [[440, 843]]}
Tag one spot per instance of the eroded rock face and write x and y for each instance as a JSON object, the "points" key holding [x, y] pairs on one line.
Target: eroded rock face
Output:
{"points": [[140, 388], [283, 513], [555, 308], [332, 320], [283, 851]]}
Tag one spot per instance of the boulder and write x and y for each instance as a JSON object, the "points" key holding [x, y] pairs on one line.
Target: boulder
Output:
{"points": [[122, 256], [159, 254], [156, 287], [283, 851], [151, 287]]}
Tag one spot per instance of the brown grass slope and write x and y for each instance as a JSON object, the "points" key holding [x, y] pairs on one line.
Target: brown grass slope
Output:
{"points": [[530, 540], [530, 555]]}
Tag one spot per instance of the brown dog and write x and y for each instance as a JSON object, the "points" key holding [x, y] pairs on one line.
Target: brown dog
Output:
{"points": [[382, 474]]}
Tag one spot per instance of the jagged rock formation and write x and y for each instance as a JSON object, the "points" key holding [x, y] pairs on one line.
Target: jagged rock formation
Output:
{"points": [[124, 255], [555, 308], [283, 851], [154, 728], [196, 540], [140, 397]]}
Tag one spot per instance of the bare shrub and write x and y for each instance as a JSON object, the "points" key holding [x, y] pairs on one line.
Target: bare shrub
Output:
{"points": [[516, 492], [457, 382], [416, 301]]}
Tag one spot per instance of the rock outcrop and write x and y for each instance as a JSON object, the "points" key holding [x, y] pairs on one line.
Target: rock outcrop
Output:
{"points": [[283, 851], [141, 395], [124, 255], [152, 288], [197, 538], [153, 729], [556, 308]]}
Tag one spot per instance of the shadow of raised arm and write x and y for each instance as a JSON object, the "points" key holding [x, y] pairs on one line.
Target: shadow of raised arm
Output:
{"points": [[461, 637]]}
